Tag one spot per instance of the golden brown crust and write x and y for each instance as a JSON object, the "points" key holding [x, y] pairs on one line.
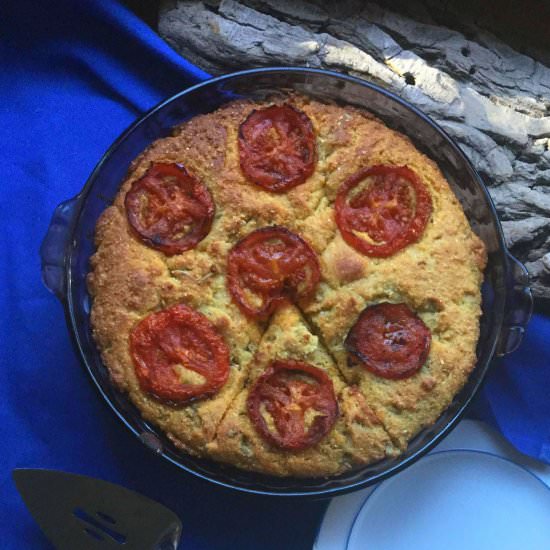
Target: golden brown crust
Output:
{"points": [[439, 277]]}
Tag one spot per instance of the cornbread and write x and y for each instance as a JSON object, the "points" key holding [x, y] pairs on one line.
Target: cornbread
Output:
{"points": [[438, 276]]}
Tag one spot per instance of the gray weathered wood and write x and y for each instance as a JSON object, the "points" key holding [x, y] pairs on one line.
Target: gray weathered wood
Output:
{"points": [[494, 101]]}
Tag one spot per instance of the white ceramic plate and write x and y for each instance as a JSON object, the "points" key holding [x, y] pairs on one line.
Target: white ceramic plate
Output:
{"points": [[473, 491]]}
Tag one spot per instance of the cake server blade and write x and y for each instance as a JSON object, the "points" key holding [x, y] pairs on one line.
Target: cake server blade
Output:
{"points": [[76, 511]]}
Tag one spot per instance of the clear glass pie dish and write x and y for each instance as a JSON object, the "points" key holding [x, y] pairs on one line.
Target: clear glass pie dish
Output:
{"points": [[68, 245]]}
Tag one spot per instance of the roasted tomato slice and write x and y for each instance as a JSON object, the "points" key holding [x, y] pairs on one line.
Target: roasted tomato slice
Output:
{"points": [[169, 209], [292, 404], [277, 147], [382, 209], [178, 355], [269, 266], [389, 340]]}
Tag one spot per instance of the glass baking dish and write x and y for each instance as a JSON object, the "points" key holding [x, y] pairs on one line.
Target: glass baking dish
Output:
{"points": [[68, 245]]}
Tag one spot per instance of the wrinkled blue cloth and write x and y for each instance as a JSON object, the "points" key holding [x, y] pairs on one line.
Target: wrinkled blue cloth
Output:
{"points": [[515, 397], [74, 76]]}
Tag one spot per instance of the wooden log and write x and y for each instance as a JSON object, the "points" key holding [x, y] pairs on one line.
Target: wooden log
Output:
{"points": [[494, 101]]}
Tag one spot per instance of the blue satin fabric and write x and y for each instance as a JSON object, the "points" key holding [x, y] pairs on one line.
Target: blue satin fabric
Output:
{"points": [[73, 76]]}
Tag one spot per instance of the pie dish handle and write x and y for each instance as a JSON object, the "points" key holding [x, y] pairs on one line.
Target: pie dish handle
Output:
{"points": [[518, 308], [54, 247]]}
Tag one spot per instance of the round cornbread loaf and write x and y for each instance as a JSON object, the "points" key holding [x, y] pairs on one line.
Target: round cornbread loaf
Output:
{"points": [[438, 277]]}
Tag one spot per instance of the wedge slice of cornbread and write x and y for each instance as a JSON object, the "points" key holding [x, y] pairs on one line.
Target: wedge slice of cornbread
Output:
{"points": [[356, 438]]}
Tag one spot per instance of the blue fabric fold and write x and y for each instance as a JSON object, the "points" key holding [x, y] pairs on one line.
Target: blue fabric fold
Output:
{"points": [[515, 397], [74, 76]]}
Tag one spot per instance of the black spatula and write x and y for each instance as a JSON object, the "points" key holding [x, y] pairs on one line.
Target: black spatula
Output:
{"points": [[80, 512]]}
